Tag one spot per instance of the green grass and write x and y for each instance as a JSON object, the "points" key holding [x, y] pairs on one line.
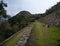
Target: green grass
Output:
{"points": [[46, 36], [16, 38]]}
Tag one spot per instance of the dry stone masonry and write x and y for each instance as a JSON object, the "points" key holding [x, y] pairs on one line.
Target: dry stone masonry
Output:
{"points": [[24, 39]]}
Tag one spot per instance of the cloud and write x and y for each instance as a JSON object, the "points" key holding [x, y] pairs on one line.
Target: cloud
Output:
{"points": [[33, 6]]}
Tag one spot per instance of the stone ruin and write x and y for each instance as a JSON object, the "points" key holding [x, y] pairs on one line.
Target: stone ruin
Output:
{"points": [[24, 39]]}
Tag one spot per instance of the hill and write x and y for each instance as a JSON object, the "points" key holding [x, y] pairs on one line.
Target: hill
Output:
{"points": [[52, 15], [22, 19]]}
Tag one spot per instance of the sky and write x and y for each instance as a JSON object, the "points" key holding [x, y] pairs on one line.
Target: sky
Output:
{"points": [[33, 6]]}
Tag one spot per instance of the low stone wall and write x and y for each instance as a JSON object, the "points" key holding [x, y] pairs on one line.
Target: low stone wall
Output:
{"points": [[24, 39]]}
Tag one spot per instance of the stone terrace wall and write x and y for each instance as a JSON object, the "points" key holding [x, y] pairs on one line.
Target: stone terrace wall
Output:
{"points": [[52, 19], [24, 39]]}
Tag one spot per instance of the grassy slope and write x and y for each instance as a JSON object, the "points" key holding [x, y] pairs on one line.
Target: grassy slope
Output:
{"points": [[14, 40], [46, 36]]}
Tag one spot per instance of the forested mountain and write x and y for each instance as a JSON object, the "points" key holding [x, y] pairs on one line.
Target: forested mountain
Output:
{"points": [[22, 18]]}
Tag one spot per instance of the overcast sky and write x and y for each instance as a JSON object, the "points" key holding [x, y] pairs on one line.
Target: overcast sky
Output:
{"points": [[33, 6]]}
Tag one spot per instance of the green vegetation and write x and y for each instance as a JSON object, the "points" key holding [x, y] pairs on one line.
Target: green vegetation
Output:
{"points": [[13, 24], [3, 14], [14, 40], [2, 9], [43, 36], [46, 36], [53, 8]]}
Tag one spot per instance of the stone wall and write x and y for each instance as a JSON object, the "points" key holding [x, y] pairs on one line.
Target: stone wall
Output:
{"points": [[52, 19], [24, 39]]}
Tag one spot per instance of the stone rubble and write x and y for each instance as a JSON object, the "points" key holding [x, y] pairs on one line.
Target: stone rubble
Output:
{"points": [[24, 39]]}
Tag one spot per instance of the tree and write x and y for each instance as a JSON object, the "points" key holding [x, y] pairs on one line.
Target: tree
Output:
{"points": [[2, 9]]}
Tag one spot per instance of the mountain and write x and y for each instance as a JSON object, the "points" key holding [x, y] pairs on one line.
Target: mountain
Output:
{"points": [[52, 15], [22, 19]]}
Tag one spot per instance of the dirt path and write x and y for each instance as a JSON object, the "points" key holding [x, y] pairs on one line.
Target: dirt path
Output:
{"points": [[30, 41]]}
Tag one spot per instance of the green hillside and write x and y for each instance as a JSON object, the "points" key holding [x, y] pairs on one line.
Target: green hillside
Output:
{"points": [[49, 36]]}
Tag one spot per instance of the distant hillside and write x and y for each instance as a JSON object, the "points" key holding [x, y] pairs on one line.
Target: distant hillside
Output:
{"points": [[53, 8], [52, 15]]}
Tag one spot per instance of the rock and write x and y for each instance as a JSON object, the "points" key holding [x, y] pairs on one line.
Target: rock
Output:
{"points": [[24, 39], [46, 26]]}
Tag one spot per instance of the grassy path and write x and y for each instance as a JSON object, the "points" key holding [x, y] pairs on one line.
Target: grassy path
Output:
{"points": [[46, 36], [16, 38]]}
